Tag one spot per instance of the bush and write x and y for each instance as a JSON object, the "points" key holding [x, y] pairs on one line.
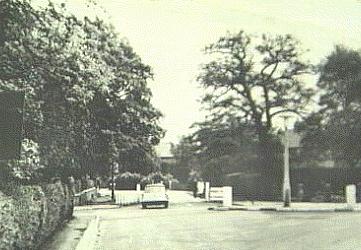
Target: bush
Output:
{"points": [[157, 177], [9, 230], [20, 219], [127, 181], [28, 168], [29, 210], [55, 203], [31, 214]]}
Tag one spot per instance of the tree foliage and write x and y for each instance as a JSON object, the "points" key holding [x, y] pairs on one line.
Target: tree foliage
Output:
{"points": [[87, 100], [225, 148], [216, 152], [255, 79], [333, 132], [249, 80], [186, 159]]}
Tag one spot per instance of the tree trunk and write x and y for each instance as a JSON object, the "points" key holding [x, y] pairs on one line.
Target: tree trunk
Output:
{"points": [[269, 166]]}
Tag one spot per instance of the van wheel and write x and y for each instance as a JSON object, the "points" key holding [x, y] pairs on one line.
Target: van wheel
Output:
{"points": [[144, 206]]}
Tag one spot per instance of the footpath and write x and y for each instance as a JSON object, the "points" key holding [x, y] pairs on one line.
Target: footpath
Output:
{"points": [[68, 236], [80, 233], [294, 207]]}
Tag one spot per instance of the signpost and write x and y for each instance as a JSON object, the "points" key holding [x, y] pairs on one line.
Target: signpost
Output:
{"points": [[115, 170], [286, 171]]}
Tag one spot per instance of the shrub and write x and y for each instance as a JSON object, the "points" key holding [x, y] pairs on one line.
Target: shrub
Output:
{"points": [[27, 169], [8, 227], [157, 177], [55, 200], [20, 219], [127, 180], [31, 214], [28, 216]]}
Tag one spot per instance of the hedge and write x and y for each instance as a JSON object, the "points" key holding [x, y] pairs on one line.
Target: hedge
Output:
{"points": [[32, 214], [129, 180]]}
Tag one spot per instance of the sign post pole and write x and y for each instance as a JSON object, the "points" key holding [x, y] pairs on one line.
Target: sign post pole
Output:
{"points": [[286, 170], [286, 177]]}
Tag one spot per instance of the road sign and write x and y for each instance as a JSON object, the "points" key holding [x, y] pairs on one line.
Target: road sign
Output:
{"points": [[294, 139], [11, 124]]}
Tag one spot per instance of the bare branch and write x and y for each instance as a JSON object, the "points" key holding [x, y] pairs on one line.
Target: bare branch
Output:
{"points": [[297, 112]]}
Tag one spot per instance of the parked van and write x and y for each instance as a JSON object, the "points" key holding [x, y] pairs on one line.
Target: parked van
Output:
{"points": [[154, 194]]}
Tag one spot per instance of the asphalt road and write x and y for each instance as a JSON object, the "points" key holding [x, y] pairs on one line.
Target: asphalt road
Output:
{"points": [[187, 224], [190, 225]]}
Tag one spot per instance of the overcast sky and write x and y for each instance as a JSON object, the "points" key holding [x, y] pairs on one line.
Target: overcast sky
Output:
{"points": [[170, 34]]}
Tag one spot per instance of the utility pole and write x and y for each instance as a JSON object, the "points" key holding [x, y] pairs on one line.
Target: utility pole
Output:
{"points": [[286, 172], [115, 170], [114, 167], [112, 176]]}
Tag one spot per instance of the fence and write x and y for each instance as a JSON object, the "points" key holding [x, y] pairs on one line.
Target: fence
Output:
{"points": [[128, 197], [85, 196]]}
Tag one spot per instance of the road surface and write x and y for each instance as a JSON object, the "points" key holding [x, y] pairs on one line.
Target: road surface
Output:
{"points": [[189, 225]]}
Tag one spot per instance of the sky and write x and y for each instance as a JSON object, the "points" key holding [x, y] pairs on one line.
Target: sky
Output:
{"points": [[169, 35]]}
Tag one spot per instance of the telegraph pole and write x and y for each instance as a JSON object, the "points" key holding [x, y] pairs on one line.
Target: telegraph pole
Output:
{"points": [[286, 172], [114, 167], [115, 170], [112, 176]]}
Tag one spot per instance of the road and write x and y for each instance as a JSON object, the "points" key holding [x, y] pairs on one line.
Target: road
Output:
{"points": [[189, 225]]}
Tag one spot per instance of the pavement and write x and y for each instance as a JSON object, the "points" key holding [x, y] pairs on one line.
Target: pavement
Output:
{"points": [[188, 224], [294, 207], [68, 237]]}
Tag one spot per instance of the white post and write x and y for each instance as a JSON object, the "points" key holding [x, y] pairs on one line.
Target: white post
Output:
{"points": [[117, 199], [206, 191], [351, 195], [139, 194], [286, 173], [170, 185], [200, 188], [227, 196]]}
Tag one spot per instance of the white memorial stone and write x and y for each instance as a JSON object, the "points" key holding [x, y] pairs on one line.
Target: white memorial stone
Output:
{"points": [[139, 193], [351, 194], [200, 187], [206, 186], [227, 196]]}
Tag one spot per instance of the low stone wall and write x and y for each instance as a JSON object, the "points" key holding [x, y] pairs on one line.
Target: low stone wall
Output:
{"points": [[32, 213]]}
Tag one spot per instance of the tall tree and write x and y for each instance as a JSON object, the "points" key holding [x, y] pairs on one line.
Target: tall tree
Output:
{"points": [[333, 132], [253, 79], [187, 160], [86, 90], [224, 149]]}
